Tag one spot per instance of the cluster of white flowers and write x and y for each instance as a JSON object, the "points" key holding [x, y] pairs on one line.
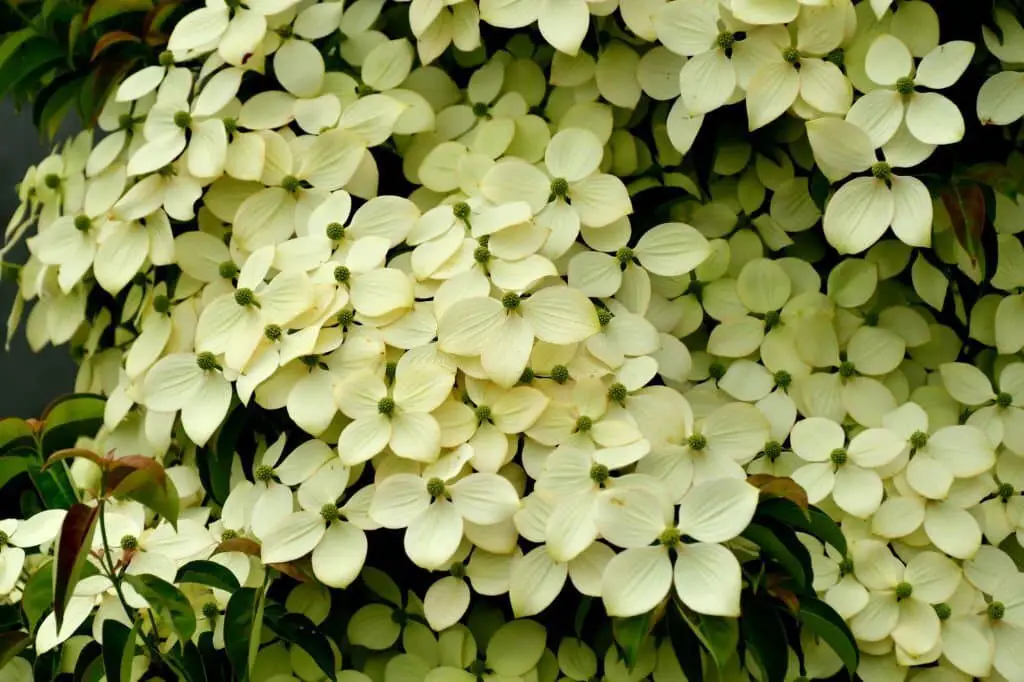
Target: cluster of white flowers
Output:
{"points": [[517, 364]]}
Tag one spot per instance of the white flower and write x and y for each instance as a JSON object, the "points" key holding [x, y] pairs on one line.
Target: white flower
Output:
{"points": [[17, 536], [706, 575], [563, 23], [193, 383]]}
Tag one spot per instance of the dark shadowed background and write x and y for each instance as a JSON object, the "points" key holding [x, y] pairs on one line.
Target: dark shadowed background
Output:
{"points": [[28, 381]]}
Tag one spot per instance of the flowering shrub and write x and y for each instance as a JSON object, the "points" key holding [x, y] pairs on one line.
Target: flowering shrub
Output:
{"points": [[529, 340]]}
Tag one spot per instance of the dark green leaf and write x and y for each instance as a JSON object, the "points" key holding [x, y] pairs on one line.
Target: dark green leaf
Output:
{"points": [[73, 545], [54, 485], [965, 204], [719, 636], [38, 595], [630, 634], [1012, 548], [12, 42], [144, 480], [11, 644], [12, 465], [168, 600], [69, 418], [781, 545], [765, 638], [815, 522], [10, 617], [300, 631], [15, 433], [118, 650], [105, 9], [243, 621], [186, 662], [207, 573], [827, 530], [581, 615], [685, 645], [89, 666], [57, 107], [819, 188], [33, 56], [47, 666], [824, 622]]}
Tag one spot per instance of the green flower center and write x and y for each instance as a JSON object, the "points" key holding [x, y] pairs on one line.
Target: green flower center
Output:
{"points": [[461, 210], [716, 370], [227, 270], [435, 487], [791, 55], [386, 406], [559, 188], [206, 361], [458, 570], [482, 255], [245, 297], [697, 442], [624, 255], [904, 591], [604, 316], [335, 231], [52, 181], [527, 376], [846, 567], [166, 58], [4, 538], [918, 439], [782, 379], [847, 370], [1006, 491], [480, 109], [329, 512], [584, 424], [726, 40], [342, 274], [346, 317], [560, 374], [483, 413], [228, 534], [264, 473], [1004, 400], [905, 85], [182, 119], [83, 223], [882, 171], [942, 611], [161, 304], [273, 332], [669, 537], [996, 610], [617, 393], [771, 319], [838, 456], [599, 474], [772, 450], [210, 610], [510, 301], [129, 542], [291, 184]]}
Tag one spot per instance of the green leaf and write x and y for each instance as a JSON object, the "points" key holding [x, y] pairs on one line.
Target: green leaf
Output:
{"points": [[168, 600], [765, 638], [243, 621], [719, 636], [89, 666], [1013, 549], [781, 545], [300, 631], [186, 662], [118, 649], [10, 618], [582, 610], [630, 634], [15, 433], [685, 645], [12, 644], [824, 622], [73, 545], [38, 595], [69, 418], [381, 584], [207, 573], [12, 465], [57, 105], [965, 204], [54, 485], [102, 10], [34, 55], [13, 41], [47, 666], [144, 480], [215, 465]]}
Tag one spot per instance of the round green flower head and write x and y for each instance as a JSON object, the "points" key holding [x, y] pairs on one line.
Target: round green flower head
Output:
{"points": [[599, 474], [207, 361], [904, 590], [435, 487], [559, 188], [182, 119], [697, 442], [617, 393], [1004, 400], [335, 231], [584, 424], [83, 223], [264, 473], [386, 406], [129, 542], [560, 374], [228, 270], [245, 297]]}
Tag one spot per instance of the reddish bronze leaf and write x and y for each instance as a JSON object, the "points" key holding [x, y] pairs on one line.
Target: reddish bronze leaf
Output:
{"points": [[73, 544], [780, 486]]}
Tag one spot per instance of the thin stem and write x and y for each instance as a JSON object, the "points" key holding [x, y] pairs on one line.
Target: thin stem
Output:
{"points": [[115, 579]]}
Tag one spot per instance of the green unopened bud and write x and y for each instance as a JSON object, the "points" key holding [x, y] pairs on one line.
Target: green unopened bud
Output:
{"points": [[210, 610], [207, 361], [560, 374], [52, 181], [461, 210], [228, 270], [697, 442], [182, 119], [511, 301], [83, 223], [604, 316], [228, 534], [791, 55], [435, 487], [480, 109], [1005, 492], [335, 231], [346, 317], [904, 590], [129, 542], [772, 450], [782, 379], [482, 255], [527, 376], [726, 40], [166, 58], [617, 393], [905, 85], [716, 370], [942, 611], [1004, 400], [559, 188], [847, 369], [264, 473], [599, 474], [245, 297]]}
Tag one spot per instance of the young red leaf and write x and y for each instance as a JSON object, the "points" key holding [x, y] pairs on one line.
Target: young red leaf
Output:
{"points": [[73, 544]]}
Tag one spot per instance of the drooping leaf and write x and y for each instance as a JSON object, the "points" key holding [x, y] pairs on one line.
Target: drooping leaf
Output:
{"points": [[144, 480], [781, 545], [168, 600], [215, 462], [300, 631], [815, 522], [765, 638], [108, 40], [630, 635], [207, 573], [102, 10], [11, 644], [73, 545], [824, 622], [118, 649], [719, 636], [965, 203], [685, 645], [243, 621], [69, 418], [69, 453], [37, 596], [15, 433]]}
